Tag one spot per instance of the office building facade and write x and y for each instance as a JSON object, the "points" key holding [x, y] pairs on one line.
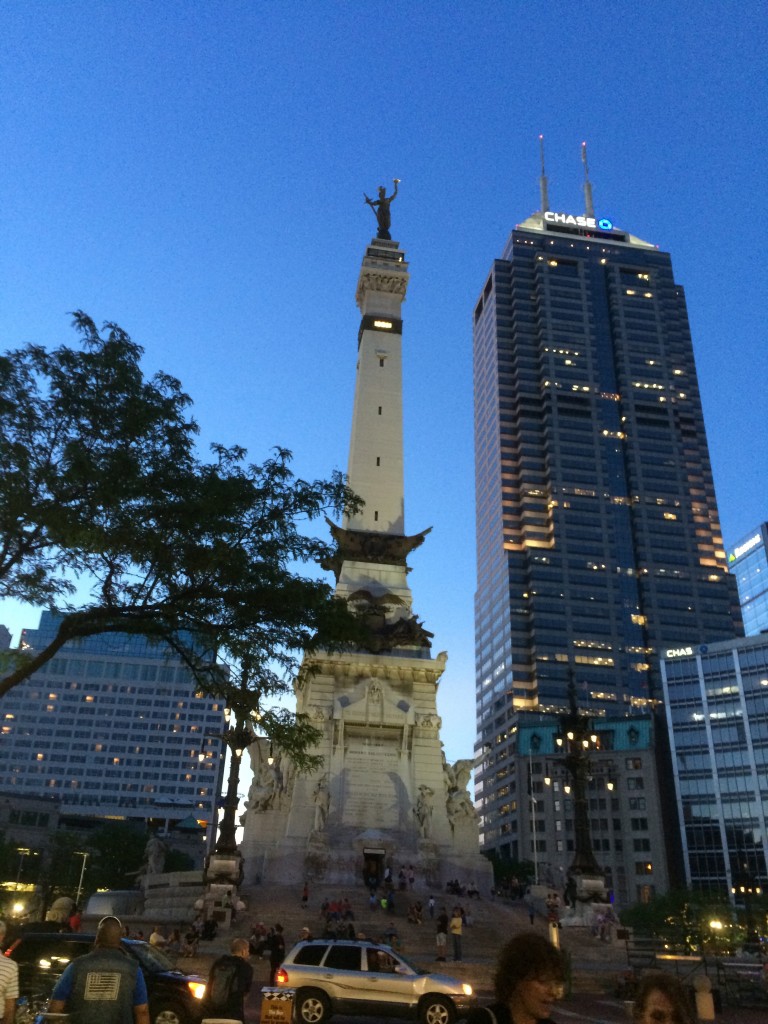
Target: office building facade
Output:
{"points": [[112, 728], [598, 538], [623, 805], [748, 561], [717, 704]]}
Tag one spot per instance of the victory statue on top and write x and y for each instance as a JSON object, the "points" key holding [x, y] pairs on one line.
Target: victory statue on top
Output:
{"points": [[380, 207]]}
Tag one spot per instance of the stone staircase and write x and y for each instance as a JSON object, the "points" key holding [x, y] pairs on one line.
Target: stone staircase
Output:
{"points": [[493, 922]]}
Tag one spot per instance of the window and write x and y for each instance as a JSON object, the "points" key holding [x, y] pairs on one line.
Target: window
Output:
{"points": [[343, 958]]}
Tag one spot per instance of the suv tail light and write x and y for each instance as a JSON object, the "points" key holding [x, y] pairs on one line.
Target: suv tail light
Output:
{"points": [[281, 976]]}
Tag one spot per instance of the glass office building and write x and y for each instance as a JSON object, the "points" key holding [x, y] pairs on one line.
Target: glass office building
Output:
{"points": [[598, 537], [111, 727], [748, 561], [717, 700]]}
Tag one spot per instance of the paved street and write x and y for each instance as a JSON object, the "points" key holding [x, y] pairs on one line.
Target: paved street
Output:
{"points": [[580, 1008]]}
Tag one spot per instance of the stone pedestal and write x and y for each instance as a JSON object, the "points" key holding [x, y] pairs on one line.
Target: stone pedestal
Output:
{"points": [[169, 897], [587, 902], [385, 797]]}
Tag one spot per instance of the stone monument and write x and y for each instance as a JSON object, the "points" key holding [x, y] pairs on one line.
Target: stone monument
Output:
{"points": [[385, 797]]}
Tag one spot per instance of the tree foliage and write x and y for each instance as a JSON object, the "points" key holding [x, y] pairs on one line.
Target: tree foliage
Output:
{"points": [[102, 490], [680, 917]]}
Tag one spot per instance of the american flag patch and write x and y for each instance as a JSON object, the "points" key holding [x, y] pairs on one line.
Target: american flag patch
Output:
{"points": [[102, 985]]}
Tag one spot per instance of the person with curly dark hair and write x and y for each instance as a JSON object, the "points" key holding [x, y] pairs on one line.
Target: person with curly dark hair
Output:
{"points": [[529, 978], [662, 999]]}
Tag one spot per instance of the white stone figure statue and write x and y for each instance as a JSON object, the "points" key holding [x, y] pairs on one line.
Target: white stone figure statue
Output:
{"points": [[265, 788], [322, 797], [154, 856], [458, 802], [423, 811]]}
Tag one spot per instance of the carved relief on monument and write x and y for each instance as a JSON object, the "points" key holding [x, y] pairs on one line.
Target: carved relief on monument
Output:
{"points": [[458, 803], [371, 281], [372, 790], [272, 783], [430, 724], [321, 797], [369, 546], [423, 811]]}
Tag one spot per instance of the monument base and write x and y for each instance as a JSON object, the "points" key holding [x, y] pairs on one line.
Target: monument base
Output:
{"points": [[587, 899]]}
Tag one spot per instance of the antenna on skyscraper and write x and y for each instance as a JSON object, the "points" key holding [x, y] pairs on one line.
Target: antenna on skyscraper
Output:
{"points": [[543, 179], [589, 208]]}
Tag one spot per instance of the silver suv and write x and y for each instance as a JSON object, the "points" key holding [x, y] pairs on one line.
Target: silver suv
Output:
{"points": [[366, 978]]}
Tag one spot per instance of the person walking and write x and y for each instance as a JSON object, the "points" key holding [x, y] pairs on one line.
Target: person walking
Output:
{"points": [[441, 938], [9, 983], [276, 952], [529, 977], [456, 926], [229, 982], [105, 986]]}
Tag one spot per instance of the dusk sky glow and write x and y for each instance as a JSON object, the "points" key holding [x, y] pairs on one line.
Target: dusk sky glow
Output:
{"points": [[195, 172]]}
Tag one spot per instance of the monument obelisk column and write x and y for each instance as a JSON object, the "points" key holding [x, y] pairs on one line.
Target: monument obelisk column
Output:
{"points": [[385, 796], [375, 467]]}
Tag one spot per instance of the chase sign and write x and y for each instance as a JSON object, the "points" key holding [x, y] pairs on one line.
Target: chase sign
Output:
{"points": [[578, 221]]}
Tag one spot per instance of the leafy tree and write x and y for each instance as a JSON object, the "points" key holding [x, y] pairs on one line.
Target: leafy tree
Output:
{"points": [[680, 918], [101, 487], [177, 860], [62, 864], [117, 853], [85, 443], [9, 859], [100, 484], [506, 871]]}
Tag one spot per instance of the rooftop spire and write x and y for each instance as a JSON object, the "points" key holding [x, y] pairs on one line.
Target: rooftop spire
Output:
{"points": [[589, 208], [543, 187]]}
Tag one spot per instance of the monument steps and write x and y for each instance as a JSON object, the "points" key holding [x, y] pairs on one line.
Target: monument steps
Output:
{"points": [[494, 921]]}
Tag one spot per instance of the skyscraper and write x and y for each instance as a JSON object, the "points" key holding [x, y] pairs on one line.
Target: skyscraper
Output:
{"points": [[598, 539], [718, 734], [748, 561], [112, 728]]}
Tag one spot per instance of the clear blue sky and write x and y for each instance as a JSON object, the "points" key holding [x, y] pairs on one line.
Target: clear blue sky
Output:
{"points": [[195, 172]]}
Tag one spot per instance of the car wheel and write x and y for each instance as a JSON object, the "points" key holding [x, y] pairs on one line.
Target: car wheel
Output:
{"points": [[312, 1006], [436, 1010], [168, 1013]]}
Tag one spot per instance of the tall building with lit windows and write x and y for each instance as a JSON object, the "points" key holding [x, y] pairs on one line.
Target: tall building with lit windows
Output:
{"points": [[748, 561], [112, 728], [598, 539]]}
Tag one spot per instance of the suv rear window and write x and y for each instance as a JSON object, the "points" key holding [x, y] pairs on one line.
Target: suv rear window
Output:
{"points": [[310, 955], [343, 958]]}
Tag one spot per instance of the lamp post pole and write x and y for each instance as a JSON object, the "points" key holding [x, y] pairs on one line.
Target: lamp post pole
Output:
{"points": [[532, 808], [23, 852], [84, 854], [576, 738]]}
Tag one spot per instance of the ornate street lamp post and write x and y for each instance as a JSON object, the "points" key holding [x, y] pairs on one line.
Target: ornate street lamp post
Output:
{"points": [[577, 740], [237, 740]]}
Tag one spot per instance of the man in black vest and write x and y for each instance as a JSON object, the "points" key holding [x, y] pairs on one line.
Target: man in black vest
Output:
{"points": [[105, 986]]}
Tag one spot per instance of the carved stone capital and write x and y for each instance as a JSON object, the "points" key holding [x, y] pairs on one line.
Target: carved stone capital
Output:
{"points": [[378, 281]]}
